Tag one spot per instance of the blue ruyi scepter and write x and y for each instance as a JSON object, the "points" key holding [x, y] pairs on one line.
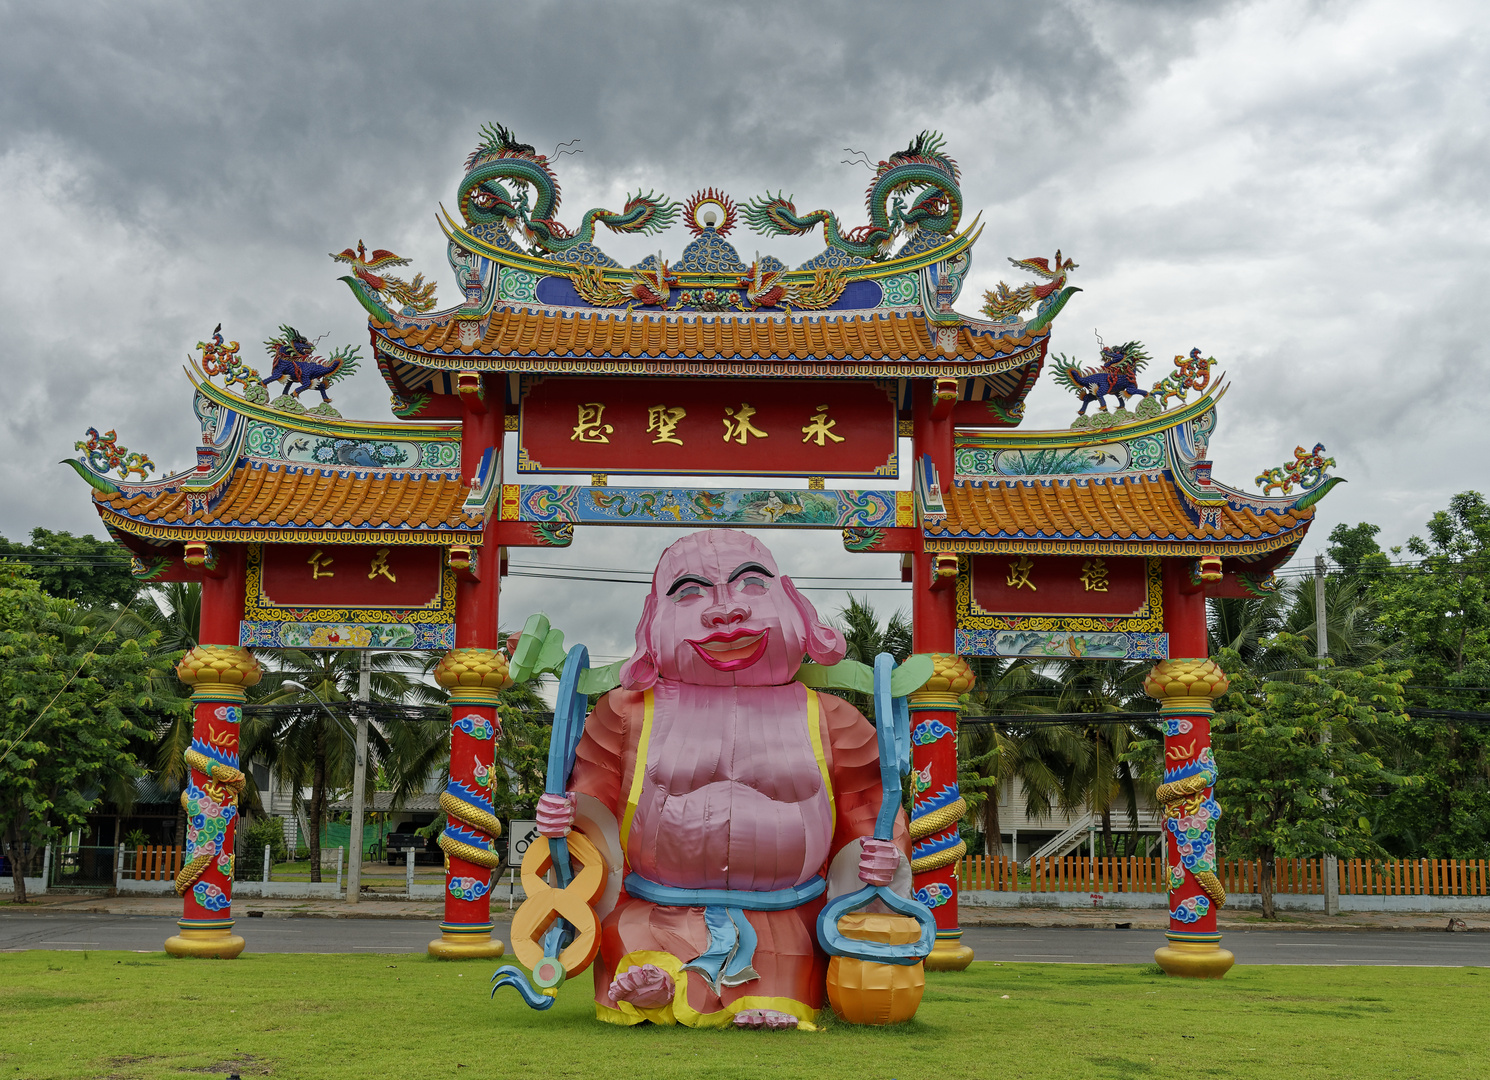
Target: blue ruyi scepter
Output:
{"points": [[537, 650], [893, 730]]}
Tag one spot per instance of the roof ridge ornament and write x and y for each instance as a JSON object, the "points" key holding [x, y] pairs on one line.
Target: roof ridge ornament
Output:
{"points": [[500, 174], [921, 167]]}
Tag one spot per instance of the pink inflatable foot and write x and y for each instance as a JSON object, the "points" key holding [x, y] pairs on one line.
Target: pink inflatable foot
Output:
{"points": [[765, 1018], [646, 986]]}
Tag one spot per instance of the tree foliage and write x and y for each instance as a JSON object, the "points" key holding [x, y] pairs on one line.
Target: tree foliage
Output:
{"points": [[73, 698], [95, 573], [1434, 615], [1296, 779]]}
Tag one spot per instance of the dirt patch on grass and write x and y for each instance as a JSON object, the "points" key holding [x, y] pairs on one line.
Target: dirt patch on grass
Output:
{"points": [[243, 1065]]}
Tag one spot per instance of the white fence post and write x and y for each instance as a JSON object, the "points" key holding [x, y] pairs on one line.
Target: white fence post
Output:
{"points": [[339, 853], [46, 868], [266, 864], [118, 865], [408, 873]]}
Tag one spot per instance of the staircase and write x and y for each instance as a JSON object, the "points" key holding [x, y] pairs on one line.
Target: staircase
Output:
{"points": [[1072, 836], [1062, 842]]}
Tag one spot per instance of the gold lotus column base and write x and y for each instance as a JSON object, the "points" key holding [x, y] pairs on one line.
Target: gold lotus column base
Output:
{"points": [[210, 943], [466, 947], [949, 954], [1194, 959]]}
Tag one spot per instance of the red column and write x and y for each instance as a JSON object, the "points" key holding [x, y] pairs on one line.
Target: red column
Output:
{"points": [[473, 673], [219, 675], [937, 804], [1186, 686]]}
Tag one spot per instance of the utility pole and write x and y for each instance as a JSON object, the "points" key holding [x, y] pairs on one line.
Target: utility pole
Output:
{"points": [[1322, 651], [359, 778]]}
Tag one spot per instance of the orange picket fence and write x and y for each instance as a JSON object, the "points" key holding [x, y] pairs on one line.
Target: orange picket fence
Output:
{"points": [[1080, 873], [155, 863], [1415, 877]]}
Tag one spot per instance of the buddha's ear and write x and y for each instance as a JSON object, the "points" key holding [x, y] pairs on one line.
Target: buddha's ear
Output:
{"points": [[640, 672], [825, 645]]}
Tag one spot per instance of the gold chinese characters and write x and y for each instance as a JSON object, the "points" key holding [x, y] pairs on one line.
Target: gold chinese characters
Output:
{"points": [[380, 565], [821, 428], [319, 564], [665, 425], [590, 428], [664, 422], [1094, 575], [1019, 573], [737, 425]]}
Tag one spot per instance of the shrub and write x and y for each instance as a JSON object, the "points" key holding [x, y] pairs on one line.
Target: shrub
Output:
{"points": [[266, 830]]}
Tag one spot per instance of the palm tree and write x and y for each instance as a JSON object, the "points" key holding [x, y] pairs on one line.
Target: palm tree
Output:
{"points": [[309, 747], [172, 614], [867, 638], [1039, 756], [1101, 775]]}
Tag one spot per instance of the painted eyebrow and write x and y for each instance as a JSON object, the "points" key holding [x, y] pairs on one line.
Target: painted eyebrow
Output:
{"points": [[685, 579], [745, 568]]}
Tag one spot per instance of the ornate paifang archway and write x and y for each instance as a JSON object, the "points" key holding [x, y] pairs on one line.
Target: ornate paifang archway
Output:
{"points": [[310, 530]]}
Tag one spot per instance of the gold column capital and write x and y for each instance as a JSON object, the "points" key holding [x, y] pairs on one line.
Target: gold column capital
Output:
{"points": [[221, 672], [1180, 683], [951, 677], [473, 676]]}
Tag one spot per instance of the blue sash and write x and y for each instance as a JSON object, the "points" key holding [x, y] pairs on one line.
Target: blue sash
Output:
{"points": [[732, 940]]}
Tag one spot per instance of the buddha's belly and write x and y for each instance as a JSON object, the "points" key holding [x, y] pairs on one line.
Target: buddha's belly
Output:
{"points": [[733, 796]]}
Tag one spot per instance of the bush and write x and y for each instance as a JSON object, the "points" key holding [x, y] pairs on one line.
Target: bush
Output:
{"points": [[266, 830]]}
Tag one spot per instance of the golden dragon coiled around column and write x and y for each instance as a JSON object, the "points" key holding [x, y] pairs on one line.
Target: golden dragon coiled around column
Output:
{"points": [[1183, 798], [476, 820], [951, 678], [222, 787]]}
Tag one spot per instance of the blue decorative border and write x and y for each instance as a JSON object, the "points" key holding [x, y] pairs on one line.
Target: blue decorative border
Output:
{"points": [[1096, 645], [389, 635], [778, 507]]}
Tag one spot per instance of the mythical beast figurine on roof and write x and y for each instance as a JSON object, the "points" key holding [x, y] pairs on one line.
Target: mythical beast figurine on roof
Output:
{"points": [[729, 803]]}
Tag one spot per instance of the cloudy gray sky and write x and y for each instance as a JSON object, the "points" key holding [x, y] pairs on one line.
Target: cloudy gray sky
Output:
{"points": [[1297, 188]]}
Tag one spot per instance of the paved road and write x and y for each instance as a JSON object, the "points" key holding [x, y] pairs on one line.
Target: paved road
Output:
{"points": [[1019, 944], [1062, 945]]}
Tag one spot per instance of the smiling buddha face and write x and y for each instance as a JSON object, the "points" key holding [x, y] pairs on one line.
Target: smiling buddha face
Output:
{"points": [[721, 614]]}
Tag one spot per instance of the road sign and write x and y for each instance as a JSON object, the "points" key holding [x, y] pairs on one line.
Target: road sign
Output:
{"points": [[520, 834]]}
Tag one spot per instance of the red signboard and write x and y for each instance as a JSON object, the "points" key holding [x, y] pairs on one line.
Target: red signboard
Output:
{"points": [[708, 426], [351, 575], [1058, 585]]}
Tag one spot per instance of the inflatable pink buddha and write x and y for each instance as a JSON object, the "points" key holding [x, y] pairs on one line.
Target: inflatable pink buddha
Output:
{"points": [[729, 801]]}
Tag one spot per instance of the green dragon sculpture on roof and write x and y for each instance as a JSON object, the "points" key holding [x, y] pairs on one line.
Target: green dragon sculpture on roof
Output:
{"points": [[921, 166], [485, 198]]}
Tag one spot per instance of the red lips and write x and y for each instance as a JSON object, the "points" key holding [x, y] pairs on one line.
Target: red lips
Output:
{"points": [[734, 650]]}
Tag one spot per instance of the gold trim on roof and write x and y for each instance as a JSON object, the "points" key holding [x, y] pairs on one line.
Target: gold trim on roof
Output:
{"points": [[290, 535]]}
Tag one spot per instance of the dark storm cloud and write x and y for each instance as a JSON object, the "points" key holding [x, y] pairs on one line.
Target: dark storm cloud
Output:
{"points": [[1300, 189]]}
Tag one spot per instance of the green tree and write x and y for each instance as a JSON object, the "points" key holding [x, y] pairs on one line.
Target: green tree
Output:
{"points": [[95, 573], [1296, 777], [1436, 616], [72, 698]]}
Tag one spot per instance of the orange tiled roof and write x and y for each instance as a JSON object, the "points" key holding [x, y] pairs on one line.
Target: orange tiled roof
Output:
{"points": [[282, 495], [603, 333], [1136, 510]]}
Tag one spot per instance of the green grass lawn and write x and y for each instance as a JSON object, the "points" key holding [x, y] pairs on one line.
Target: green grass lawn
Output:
{"points": [[129, 1015]]}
